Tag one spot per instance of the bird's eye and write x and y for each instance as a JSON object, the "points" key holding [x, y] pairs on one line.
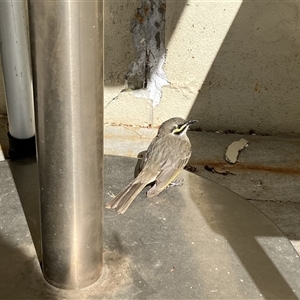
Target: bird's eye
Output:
{"points": [[176, 129]]}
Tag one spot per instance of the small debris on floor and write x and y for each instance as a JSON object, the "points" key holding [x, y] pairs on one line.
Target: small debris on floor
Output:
{"points": [[190, 168], [229, 131], [234, 149], [218, 170], [252, 132], [111, 194]]}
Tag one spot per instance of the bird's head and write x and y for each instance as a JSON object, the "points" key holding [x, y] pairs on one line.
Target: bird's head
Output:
{"points": [[176, 126]]}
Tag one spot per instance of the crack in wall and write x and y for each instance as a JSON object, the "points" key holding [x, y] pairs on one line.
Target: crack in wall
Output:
{"points": [[146, 75]]}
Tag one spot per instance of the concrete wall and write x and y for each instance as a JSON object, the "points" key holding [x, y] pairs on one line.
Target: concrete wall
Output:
{"points": [[232, 65]]}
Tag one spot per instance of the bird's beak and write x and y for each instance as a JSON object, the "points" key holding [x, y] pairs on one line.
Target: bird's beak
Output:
{"points": [[189, 122]]}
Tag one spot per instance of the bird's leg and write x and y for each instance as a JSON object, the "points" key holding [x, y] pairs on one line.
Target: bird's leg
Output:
{"points": [[177, 182]]}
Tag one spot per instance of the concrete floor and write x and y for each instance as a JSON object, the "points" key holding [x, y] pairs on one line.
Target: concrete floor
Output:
{"points": [[196, 241], [217, 247], [267, 173]]}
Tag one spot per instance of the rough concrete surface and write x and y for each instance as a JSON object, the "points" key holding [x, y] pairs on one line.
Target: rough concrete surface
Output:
{"points": [[232, 65], [285, 216], [236, 63], [236, 68], [196, 241], [267, 172]]}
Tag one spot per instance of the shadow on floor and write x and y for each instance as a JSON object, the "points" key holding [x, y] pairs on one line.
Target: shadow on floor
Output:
{"points": [[201, 236], [21, 278], [24, 173], [259, 245]]}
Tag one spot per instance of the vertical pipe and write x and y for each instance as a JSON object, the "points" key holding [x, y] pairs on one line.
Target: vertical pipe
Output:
{"points": [[15, 57], [67, 54]]}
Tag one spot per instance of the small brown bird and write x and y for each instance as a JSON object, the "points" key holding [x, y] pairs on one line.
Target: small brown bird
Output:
{"points": [[165, 157]]}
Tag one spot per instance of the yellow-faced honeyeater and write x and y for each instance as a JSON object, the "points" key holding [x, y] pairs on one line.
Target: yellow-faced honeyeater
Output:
{"points": [[165, 157]]}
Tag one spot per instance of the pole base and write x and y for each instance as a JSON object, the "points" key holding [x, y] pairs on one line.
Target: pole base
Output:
{"points": [[21, 148]]}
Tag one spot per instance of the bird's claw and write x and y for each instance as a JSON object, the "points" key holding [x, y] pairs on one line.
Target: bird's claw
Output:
{"points": [[177, 182]]}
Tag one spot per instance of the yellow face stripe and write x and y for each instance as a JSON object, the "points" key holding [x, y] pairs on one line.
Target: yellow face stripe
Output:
{"points": [[180, 129]]}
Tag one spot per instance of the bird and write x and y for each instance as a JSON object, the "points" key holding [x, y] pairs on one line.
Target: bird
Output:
{"points": [[166, 156]]}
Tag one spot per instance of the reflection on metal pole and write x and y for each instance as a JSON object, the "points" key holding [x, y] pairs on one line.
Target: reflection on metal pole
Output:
{"points": [[15, 56], [67, 52]]}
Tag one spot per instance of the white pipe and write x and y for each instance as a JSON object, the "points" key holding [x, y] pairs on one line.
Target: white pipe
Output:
{"points": [[16, 65]]}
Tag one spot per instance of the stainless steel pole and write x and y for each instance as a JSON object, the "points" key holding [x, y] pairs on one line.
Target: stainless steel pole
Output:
{"points": [[67, 46], [16, 64]]}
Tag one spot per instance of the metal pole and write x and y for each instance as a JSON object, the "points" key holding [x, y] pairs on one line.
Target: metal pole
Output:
{"points": [[15, 56], [67, 53]]}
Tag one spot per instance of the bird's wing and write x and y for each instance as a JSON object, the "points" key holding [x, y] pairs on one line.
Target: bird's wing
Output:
{"points": [[155, 143], [168, 173]]}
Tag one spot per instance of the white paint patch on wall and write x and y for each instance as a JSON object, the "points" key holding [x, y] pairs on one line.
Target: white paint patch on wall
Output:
{"points": [[157, 80]]}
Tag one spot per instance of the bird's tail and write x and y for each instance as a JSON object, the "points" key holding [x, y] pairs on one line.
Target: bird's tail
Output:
{"points": [[123, 200]]}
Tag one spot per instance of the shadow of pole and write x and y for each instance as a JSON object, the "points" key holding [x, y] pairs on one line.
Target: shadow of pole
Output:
{"points": [[19, 278], [20, 274], [261, 269], [251, 72], [25, 176], [266, 255]]}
